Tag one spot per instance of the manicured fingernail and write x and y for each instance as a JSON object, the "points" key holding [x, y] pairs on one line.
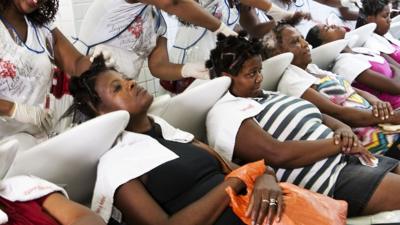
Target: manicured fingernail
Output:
{"points": [[376, 115], [387, 117], [392, 113], [382, 118]]}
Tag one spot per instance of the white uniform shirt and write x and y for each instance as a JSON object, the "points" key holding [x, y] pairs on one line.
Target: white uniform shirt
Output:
{"points": [[25, 71], [133, 27], [193, 43], [295, 81]]}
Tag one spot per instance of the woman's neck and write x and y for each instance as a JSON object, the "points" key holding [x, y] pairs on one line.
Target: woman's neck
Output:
{"points": [[140, 124], [12, 14]]}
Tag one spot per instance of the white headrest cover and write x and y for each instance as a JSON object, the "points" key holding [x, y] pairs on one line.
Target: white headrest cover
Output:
{"points": [[70, 159], [324, 55], [188, 110], [363, 33], [272, 70]]}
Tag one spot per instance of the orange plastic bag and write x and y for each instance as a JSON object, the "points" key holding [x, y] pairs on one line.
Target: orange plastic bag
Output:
{"points": [[302, 207]]}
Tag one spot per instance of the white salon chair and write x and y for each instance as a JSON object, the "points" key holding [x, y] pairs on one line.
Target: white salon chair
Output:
{"points": [[188, 110], [392, 217], [395, 29], [70, 159], [325, 55], [272, 70], [362, 34], [8, 151]]}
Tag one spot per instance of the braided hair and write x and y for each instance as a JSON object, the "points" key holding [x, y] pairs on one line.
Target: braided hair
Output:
{"points": [[370, 8], [273, 39], [43, 15], [230, 54], [83, 90]]}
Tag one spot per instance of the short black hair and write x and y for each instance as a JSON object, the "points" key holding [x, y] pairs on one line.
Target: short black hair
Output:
{"points": [[313, 37], [370, 8], [43, 15], [230, 53], [83, 90]]}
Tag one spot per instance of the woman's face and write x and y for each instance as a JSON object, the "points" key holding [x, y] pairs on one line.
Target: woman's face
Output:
{"points": [[382, 21], [329, 33], [294, 42], [247, 82], [119, 93], [27, 6]]}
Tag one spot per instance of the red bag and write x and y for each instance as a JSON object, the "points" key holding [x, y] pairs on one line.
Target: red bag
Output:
{"points": [[302, 207]]}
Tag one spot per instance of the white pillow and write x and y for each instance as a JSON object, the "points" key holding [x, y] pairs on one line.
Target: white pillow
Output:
{"points": [[325, 55], [362, 33], [188, 110], [70, 159], [272, 70]]}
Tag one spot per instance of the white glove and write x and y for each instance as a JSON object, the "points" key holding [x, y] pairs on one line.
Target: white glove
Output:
{"points": [[42, 118], [225, 30], [195, 70], [118, 58], [278, 13], [351, 3]]}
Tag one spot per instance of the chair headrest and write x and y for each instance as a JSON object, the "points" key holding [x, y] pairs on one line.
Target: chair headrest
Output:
{"points": [[272, 70], [396, 19], [395, 29], [70, 159], [188, 110], [324, 55], [8, 151], [363, 33]]}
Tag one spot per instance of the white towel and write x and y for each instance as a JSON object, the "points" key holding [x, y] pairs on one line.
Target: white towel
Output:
{"points": [[224, 120], [26, 188], [133, 155]]}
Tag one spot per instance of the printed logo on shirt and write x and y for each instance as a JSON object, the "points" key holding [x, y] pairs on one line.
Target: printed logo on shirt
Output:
{"points": [[7, 69], [248, 107], [136, 29]]}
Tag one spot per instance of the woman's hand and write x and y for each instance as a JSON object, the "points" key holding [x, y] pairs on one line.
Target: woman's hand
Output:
{"points": [[297, 17], [381, 109], [360, 151], [346, 138], [266, 202]]}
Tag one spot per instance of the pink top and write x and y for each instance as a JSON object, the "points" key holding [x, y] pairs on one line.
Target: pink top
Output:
{"points": [[385, 70], [396, 54]]}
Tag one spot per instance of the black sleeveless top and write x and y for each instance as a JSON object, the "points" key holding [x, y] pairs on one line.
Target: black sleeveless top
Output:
{"points": [[178, 183]]}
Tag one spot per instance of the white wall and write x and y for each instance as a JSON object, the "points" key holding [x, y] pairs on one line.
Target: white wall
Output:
{"points": [[70, 16]]}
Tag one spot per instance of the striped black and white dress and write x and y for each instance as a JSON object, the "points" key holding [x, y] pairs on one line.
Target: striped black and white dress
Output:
{"points": [[291, 118]]}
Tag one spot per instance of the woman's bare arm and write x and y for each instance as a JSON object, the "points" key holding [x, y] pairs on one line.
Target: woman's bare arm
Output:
{"points": [[354, 117], [139, 208], [253, 143], [67, 57], [159, 63], [379, 82], [67, 212]]}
